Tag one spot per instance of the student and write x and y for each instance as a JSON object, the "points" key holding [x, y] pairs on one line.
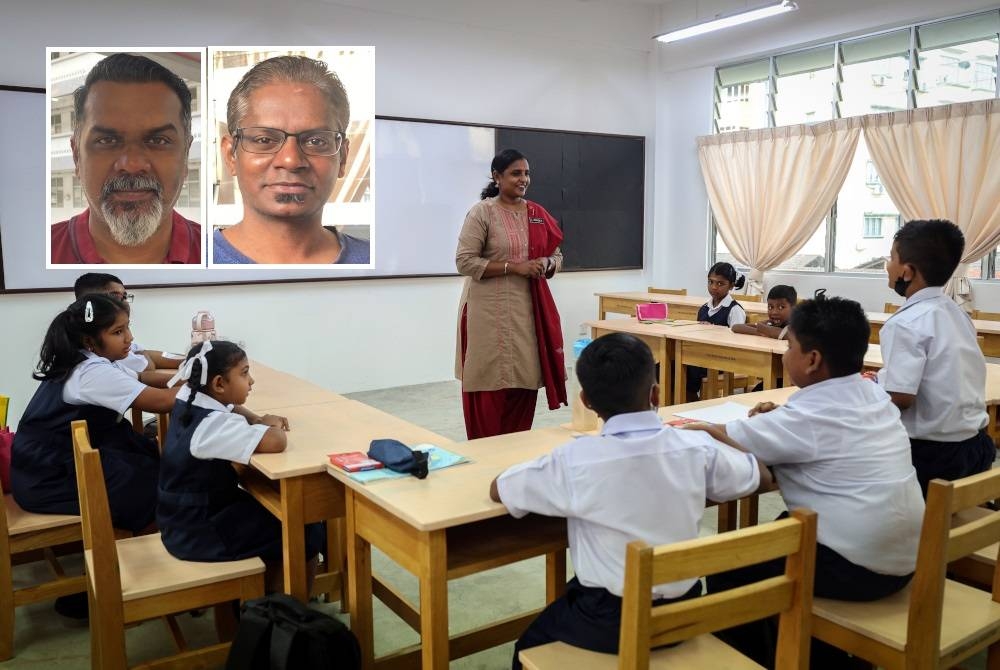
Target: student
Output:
{"points": [[837, 447], [720, 310], [140, 358], [638, 480], [934, 370], [203, 514], [80, 381], [780, 301]]}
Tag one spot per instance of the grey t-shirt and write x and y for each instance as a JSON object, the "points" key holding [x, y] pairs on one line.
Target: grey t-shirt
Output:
{"points": [[352, 250]]}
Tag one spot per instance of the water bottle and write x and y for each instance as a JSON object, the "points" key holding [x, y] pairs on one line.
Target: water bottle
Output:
{"points": [[584, 419], [202, 327]]}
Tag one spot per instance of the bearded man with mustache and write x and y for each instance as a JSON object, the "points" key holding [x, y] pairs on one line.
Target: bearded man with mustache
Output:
{"points": [[130, 143]]}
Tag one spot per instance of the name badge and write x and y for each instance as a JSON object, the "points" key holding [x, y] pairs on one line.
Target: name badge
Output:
{"points": [[536, 220]]}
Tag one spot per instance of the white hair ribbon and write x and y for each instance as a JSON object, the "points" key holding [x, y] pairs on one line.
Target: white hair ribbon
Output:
{"points": [[184, 372], [88, 312]]}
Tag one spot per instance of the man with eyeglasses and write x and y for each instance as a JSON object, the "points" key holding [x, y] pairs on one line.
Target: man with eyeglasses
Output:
{"points": [[139, 359], [287, 146], [131, 136]]}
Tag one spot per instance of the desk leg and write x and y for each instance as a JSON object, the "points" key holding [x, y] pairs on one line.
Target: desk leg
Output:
{"points": [[602, 313], [749, 511], [661, 354], [727, 516], [433, 553], [555, 575], [680, 375], [293, 538], [711, 385], [770, 379], [359, 585]]}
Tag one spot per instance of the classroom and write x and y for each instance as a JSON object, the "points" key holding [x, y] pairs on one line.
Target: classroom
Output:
{"points": [[586, 66]]}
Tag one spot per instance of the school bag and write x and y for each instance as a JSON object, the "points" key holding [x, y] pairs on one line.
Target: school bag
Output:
{"points": [[278, 632]]}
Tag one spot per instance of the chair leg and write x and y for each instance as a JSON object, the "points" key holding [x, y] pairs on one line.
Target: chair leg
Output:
{"points": [[108, 627], [7, 593], [993, 657], [95, 643]]}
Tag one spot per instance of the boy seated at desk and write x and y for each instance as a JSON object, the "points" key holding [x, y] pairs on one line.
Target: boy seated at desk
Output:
{"points": [[837, 447], [637, 480], [780, 301], [934, 370]]}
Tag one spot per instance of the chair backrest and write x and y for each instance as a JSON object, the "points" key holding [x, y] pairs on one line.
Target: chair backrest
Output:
{"points": [[789, 595], [98, 533], [985, 316], [890, 307], [669, 291], [944, 539], [4, 403], [748, 297]]}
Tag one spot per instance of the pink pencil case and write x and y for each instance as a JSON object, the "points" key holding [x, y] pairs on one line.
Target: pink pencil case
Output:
{"points": [[654, 311]]}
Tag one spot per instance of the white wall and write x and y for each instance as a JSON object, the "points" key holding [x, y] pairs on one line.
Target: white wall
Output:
{"points": [[684, 111], [561, 64]]}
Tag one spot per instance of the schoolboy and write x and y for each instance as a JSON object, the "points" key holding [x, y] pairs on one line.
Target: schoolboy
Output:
{"points": [[837, 447], [781, 300], [637, 480], [139, 359], [934, 370]]}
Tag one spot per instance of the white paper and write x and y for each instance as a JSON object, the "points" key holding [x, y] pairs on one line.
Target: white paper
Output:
{"points": [[723, 413]]}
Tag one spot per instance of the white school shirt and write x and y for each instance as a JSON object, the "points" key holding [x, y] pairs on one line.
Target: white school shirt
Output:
{"points": [[98, 381], [838, 448], [222, 434], [637, 480], [929, 348], [135, 359], [737, 315]]}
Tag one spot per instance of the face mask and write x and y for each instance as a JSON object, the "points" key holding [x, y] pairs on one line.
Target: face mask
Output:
{"points": [[901, 285]]}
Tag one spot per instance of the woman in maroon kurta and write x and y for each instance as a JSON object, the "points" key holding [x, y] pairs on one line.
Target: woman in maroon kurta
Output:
{"points": [[509, 336]]}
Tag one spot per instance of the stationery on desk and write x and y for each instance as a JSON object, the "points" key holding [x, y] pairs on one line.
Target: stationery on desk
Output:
{"points": [[721, 413], [437, 459]]}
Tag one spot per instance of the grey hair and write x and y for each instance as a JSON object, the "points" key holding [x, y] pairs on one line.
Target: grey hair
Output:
{"points": [[289, 69]]}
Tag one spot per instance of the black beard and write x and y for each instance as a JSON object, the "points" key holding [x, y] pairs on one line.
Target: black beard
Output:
{"points": [[290, 198]]}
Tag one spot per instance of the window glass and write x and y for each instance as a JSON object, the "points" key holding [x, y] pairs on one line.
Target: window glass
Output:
{"points": [[875, 73], [741, 96], [958, 60], [804, 86]]}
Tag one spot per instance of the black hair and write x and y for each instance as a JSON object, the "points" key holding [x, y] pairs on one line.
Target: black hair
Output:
{"points": [[94, 282], [223, 357], [835, 327], [783, 292], [727, 271], [616, 372], [126, 68], [500, 163], [64, 339], [933, 246]]}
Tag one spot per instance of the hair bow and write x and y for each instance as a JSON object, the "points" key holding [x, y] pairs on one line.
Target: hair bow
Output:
{"points": [[184, 372], [88, 312]]}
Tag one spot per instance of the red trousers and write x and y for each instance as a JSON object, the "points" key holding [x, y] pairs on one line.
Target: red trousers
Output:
{"points": [[489, 413]]}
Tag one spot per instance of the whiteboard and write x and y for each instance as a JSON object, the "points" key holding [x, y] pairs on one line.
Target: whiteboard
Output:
{"points": [[427, 174]]}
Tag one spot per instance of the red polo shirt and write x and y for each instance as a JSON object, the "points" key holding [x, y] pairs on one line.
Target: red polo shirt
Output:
{"points": [[72, 243]]}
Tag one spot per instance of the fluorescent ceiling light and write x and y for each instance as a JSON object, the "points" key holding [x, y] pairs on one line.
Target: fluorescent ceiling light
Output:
{"points": [[727, 21]]}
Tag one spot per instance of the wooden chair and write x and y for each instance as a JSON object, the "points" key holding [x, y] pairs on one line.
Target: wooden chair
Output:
{"points": [[162, 423], [690, 621], [980, 315], [890, 307], [668, 291], [934, 622], [136, 579]]}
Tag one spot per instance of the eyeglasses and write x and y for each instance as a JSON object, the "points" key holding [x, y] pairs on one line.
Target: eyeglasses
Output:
{"points": [[270, 140], [122, 295]]}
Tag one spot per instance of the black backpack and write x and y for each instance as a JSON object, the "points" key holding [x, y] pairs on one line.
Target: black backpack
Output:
{"points": [[280, 633]]}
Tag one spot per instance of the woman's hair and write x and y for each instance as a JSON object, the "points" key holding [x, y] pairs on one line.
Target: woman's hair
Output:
{"points": [[727, 271], [63, 341], [500, 163], [221, 359]]}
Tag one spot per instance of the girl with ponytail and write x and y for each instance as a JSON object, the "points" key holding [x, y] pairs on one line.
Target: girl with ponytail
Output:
{"points": [[81, 379], [203, 514]]}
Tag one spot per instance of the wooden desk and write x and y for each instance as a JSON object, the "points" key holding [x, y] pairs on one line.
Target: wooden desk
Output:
{"points": [[442, 528], [988, 330], [273, 389], [680, 306], [719, 348], [658, 337], [295, 488]]}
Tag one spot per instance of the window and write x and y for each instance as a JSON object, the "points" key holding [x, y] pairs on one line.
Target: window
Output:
{"points": [[191, 189], [955, 60], [77, 193], [56, 184], [56, 122], [194, 98]]}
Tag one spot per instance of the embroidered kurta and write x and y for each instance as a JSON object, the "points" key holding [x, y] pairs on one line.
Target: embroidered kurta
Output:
{"points": [[502, 350]]}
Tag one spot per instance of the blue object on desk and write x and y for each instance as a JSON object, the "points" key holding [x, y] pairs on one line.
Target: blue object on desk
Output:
{"points": [[437, 458]]}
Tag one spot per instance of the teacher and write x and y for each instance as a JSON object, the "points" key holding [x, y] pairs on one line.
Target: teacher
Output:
{"points": [[509, 336]]}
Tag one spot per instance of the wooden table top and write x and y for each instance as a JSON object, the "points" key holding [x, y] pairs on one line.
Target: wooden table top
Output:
{"points": [[636, 327], [687, 300], [459, 494], [318, 430], [274, 389]]}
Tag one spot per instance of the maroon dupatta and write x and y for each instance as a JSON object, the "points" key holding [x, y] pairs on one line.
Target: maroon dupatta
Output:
{"points": [[544, 237]]}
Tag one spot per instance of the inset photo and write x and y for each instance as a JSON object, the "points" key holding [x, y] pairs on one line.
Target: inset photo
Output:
{"points": [[125, 157], [292, 145]]}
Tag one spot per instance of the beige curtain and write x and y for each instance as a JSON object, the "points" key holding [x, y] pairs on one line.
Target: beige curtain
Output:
{"points": [[944, 163], [771, 188]]}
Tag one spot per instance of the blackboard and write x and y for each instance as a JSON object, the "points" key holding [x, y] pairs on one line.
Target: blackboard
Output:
{"points": [[593, 184]]}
